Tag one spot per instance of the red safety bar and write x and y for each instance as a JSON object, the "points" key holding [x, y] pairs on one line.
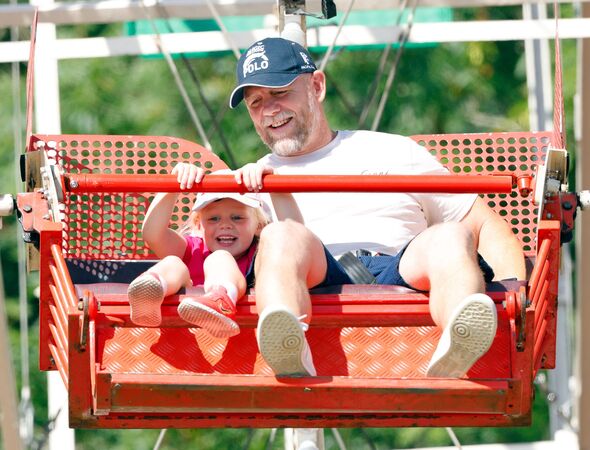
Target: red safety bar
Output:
{"points": [[297, 183], [371, 344]]}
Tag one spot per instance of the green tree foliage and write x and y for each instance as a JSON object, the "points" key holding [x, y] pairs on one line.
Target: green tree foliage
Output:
{"points": [[450, 88]]}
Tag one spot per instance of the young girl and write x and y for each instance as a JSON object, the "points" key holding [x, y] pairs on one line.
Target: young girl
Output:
{"points": [[219, 254]]}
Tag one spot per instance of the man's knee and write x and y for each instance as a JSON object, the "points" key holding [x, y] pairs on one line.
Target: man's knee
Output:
{"points": [[291, 246], [283, 234], [437, 249], [453, 235]]}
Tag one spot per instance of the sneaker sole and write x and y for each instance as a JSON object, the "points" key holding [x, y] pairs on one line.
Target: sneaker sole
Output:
{"points": [[472, 333], [213, 322], [281, 342], [145, 296]]}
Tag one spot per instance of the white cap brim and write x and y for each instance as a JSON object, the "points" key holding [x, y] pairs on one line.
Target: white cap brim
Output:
{"points": [[206, 198]]}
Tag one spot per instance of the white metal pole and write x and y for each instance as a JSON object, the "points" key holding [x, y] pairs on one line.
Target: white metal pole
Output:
{"points": [[26, 405], [560, 400], [8, 405], [47, 120], [583, 241], [538, 70], [540, 100], [212, 41]]}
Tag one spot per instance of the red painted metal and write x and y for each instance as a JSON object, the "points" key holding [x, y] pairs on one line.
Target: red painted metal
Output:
{"points": [[312, 394], [524, 184], [545, 301], [329, 310], [522, 373], [34, 210], [60, 312], [60, 359], [371, 345], [117, 216], [223, 419], [81, 389], [295, 183], [537, 273]]}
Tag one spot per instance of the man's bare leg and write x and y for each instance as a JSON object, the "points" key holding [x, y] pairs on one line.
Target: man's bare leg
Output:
{"points": [[443, 260], [290, 260]]}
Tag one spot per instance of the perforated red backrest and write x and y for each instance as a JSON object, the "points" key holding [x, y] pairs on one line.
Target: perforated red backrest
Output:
{"points": [[485, 153], [107, 226]]}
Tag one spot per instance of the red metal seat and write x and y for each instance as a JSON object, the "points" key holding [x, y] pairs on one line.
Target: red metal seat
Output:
{"points": [[371, 344]]}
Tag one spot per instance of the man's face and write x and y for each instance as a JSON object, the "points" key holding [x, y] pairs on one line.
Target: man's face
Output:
{"points": [[286, 118]]}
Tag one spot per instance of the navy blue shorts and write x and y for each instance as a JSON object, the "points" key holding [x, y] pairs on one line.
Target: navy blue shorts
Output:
{"points": [[335, 274], [385, 269], [250, 278]]}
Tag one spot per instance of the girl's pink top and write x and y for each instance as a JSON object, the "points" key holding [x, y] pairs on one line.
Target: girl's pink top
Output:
{"points": [[196, 252]]}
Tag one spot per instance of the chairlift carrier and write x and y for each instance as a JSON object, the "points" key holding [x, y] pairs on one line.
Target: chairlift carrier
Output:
{"points": [[371, 344]]}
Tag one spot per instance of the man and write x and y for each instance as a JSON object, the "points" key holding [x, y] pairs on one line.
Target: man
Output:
{"points": [[429, 242]]}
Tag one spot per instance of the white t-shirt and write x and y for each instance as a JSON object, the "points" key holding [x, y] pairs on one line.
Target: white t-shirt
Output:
{"points": [[378, 222]]}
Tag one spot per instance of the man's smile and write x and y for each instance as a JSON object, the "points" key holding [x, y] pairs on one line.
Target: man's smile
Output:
{"points": [[280, 123]]}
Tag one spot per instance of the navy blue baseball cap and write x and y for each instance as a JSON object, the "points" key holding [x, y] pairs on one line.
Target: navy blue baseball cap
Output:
{"points": [[271, 62]]}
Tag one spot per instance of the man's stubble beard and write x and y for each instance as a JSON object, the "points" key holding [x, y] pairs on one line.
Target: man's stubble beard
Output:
{"points": [[305, 126]]}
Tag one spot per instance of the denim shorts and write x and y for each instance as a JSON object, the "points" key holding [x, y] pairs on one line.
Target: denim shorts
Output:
{"points": [[385, 269], [335, 273]]}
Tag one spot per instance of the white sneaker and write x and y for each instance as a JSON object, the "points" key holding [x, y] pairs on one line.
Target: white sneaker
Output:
{"points": [[466, 338], [145, 295], [282, 343]]}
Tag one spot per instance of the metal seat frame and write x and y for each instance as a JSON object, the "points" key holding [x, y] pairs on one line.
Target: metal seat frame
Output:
{"points": [[371, 344]]}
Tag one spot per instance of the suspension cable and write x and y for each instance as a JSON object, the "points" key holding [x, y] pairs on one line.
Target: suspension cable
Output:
{"points": [[453, 437], [327, 56], [338, 439], [177, 79], [25, 405], [393, 70], [382, 61], [198, 85], [341, 95], [331, 48], [271, 439], [249, 439], [160, 438], [224, 31]]}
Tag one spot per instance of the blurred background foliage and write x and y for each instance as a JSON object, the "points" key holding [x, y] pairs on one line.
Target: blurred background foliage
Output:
{"points": [[446, 88]]}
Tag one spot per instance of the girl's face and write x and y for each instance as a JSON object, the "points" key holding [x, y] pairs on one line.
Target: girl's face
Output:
{"points": [[229, 225]]}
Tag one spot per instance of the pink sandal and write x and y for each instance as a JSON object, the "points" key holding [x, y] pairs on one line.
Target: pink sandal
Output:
{"points": [[214, 312]]}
